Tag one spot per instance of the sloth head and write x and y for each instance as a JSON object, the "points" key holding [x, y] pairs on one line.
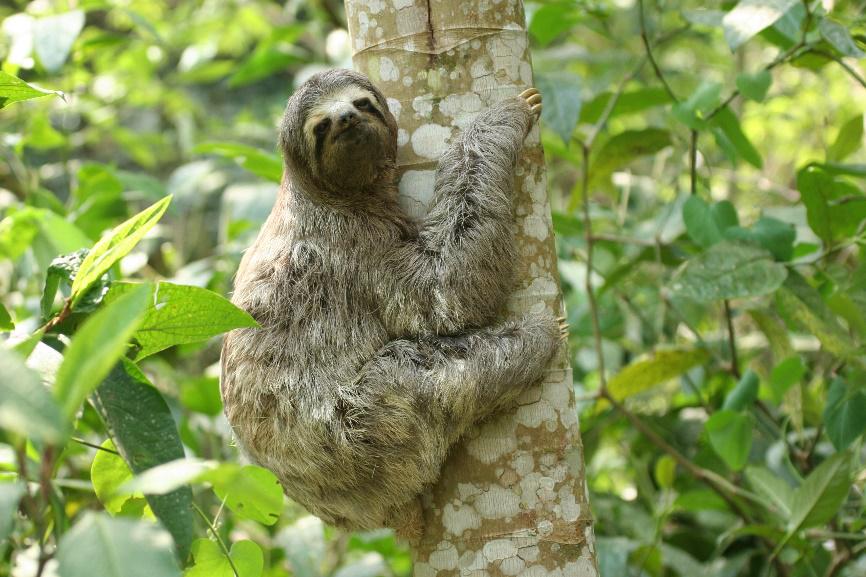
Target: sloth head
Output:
{"points": [[338, 134]]}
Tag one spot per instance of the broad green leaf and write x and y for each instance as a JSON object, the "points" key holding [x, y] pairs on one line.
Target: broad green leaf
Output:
{"points": [[801, 303], [750, 17], [251, 492], [62, 272], [6, 323], [844, 413], [261, 163], [730, 434], [116, 245], [41, 135], [785, 375], [17, 232], [755, 86], [99, 203], [778, 494], [53, 37], [729, 270], [623, 148], [561, 102], [819, 497], [56, 236], [116, 547], [840, 38], [646, 373], [774, 235], [272, 56], [26, 405], [744, 394], [171, 475], [202, 395], [10, 495], [14, 89], [95, 348], [707, 223], [731, 138], [629, 102], [666, 471], [210, 561], [849, 140], [108, 473], [834, 208], [551, 20], [178, 314], [144, 431]]}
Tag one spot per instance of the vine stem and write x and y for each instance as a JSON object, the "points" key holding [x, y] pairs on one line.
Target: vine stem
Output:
{"points": [[216, 535]]}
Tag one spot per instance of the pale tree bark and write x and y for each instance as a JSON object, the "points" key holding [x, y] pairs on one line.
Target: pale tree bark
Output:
{"points": [[512, 499]]}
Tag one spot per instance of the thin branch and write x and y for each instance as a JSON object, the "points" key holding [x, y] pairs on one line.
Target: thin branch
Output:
{"points": [[216, 535], [693, 163], [838, 60], [646, 43], [93, 446], [732, 343]]}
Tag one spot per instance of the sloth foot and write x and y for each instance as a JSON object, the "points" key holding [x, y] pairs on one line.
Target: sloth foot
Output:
{"points": [[533, 98], [563, 328]]}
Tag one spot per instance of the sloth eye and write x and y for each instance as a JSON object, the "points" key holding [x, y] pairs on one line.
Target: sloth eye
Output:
{"points": [[363, 104], [322, 127]]}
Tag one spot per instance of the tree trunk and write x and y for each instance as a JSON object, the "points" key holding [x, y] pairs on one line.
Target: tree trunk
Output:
{"points": [[511, 499]]}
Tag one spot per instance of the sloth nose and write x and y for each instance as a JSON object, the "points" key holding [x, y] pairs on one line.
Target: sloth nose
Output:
{"points": [[348, 118]]}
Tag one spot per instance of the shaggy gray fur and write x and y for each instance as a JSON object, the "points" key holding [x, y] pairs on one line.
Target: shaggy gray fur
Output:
{"points": [[379, 345]]}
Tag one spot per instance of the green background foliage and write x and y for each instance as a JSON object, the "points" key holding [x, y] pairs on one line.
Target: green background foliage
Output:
{"points": [[707, 175]]}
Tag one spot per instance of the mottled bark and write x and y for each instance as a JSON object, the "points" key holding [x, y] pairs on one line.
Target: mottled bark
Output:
{"points": [[511, 500]]}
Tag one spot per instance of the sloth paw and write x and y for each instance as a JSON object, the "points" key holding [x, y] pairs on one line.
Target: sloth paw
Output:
{"points": [[533, 98]]}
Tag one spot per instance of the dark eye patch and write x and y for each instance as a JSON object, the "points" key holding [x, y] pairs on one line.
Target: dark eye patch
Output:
{"points": [[322, 127], [363, 104]]}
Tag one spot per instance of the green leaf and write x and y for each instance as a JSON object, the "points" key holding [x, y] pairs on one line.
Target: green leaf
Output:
{"points": [[646, 373], [844, 413], [108, 473], [53, 37], [551, 20], [144, 431], [116, 245], [819, 497], [840, 38], [99, 203], [801, 303], [63, 270], [834, 208], [6, 323], [848, 141], [41, 135], [202, 395], [706, 223], [755, 86], [730, 136], [772, 488], [774, 235], [785, 375], [116, 547], [14, 89], [744, 394], [26, 405], [10, 495], [177, 314], [17, 232], [629, 102], [211, 562], [561, 102], [261, 163], [623, 148], [730, 434], [95, 348], [750, 17], [251, 492], [729, 270]]}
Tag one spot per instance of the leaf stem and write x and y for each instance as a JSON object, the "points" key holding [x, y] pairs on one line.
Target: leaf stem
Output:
{"points": [[215, 533]]}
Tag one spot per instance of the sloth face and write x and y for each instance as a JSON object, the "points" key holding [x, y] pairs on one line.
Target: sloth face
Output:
{"points": [[338, 130]]}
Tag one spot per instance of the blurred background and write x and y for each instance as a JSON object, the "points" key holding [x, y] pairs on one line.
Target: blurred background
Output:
{"points": [[182, 98]]}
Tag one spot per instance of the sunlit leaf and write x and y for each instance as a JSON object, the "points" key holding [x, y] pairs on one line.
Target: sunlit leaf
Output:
{"points": [[261, 163], [839, 38], [177, 314], [53, 37], [662, 366], [750, 17], [774, 489], [116, 245], [754, 86], [210, 561], [818, 499], [551, 20], [95, 348], [250, 491], [14, 89], [849, 140], [108, 473], [26, 405]]}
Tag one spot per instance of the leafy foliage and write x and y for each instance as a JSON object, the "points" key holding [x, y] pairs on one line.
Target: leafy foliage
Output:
{"points": [[721, 357]]}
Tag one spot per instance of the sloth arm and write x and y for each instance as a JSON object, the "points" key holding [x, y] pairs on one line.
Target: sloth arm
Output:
{"points": [[458, 271]]}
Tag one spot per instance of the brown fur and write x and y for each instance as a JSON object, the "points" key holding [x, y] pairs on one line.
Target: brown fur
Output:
{"points": [[379, 345]]}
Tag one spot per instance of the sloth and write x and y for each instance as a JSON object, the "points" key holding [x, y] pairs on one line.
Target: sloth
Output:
{"points": [[379, 342]]}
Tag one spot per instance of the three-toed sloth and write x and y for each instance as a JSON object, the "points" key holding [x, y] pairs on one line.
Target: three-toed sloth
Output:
{"points": [[379, 343]]}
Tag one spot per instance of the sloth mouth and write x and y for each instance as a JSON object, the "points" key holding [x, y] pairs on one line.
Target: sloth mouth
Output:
{"points": [[356, 132]]}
